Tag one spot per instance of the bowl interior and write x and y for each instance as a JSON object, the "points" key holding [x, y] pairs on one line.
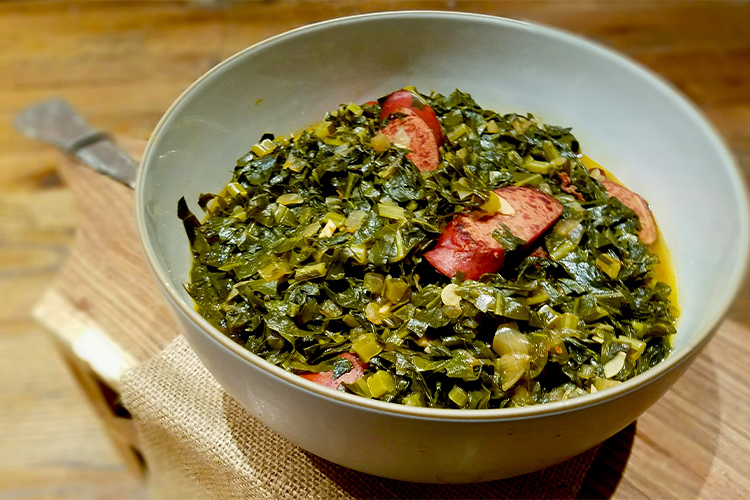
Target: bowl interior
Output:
{"points": [[625, 118]]}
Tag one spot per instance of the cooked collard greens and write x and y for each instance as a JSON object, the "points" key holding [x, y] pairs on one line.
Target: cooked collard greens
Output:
{"points": [[313, 258]]}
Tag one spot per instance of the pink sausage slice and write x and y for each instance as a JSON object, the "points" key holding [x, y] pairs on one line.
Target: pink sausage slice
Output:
{"points": [[467, 244], [326, 378], [411, 132], [535, 212], [397, 101], [634, 202]]}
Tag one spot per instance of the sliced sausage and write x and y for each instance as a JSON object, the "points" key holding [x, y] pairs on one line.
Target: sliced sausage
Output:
{"points": [[633, 201], [467, 244], [404, 99], [411, 132], [326, 378], [535, 212]]}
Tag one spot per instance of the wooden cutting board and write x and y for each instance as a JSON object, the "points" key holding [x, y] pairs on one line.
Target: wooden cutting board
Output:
{"points": [[107, 315]]}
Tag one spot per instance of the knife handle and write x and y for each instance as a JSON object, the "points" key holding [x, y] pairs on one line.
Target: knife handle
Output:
{"points": [[56, 122]]}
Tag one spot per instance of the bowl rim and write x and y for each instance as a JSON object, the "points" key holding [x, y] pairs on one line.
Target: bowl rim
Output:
{"points": [[674, 360]]}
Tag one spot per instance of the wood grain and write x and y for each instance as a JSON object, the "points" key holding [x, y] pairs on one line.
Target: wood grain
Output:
{"points": [[52, 444], [122, 64], [693, 443], [105, 276]]}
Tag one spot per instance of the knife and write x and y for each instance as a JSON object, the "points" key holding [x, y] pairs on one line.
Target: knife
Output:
{"points": [[56, 122]]}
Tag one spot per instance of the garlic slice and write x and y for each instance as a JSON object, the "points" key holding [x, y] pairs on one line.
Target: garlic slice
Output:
{"points": [[328, 230], [505, 207], [401, 138], [614, 365], [449, 296], [496, 204]]}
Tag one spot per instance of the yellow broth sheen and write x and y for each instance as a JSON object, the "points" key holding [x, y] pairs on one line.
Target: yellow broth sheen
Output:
{"points": [[665, 271]]}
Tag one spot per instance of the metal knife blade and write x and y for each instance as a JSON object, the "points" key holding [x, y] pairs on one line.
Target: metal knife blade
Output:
{"points": [[56, 122]]}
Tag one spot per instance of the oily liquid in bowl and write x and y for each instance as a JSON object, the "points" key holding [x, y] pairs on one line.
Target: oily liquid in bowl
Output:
{"points": [[665, 271]]}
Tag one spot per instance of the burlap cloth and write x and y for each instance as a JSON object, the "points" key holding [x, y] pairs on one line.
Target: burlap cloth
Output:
{"points": [[199, 443]]}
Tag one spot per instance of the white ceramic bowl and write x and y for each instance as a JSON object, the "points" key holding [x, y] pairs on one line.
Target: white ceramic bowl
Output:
{"points": [[625, 117]]}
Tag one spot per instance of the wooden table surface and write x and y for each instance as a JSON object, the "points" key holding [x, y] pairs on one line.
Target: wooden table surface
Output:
{"points": [[123, 64]]}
